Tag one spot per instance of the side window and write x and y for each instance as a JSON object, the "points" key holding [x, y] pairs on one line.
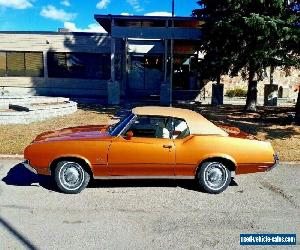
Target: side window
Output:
{"points": [[151, 127], [181, 129]]}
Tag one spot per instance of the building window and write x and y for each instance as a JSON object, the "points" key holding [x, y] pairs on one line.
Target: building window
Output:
{"points": [[34, 64], [2, 64], [184, 77], [79, 65], [21, 64], [15, 64]]}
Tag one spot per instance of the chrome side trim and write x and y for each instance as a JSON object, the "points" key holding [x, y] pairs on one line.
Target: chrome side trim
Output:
{"points": [[137, 177]]}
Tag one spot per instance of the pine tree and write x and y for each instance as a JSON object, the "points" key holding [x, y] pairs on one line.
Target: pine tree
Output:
{"points": [[297, 116], [248, 36], [295, 43]]}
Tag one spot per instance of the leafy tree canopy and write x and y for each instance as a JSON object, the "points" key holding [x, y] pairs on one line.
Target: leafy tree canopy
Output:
{"points": [[249, 34]]}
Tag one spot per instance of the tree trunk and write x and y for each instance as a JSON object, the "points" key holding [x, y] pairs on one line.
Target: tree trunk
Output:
{"points": [[297, 116], [272, 68], [251, 101], [219, 79]]}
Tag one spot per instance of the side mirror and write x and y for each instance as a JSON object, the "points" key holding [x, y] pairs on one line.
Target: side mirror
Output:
{"points": [[129, 135]]}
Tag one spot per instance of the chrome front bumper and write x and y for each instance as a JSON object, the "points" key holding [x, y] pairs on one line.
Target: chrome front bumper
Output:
{"points": [[26, 164]]}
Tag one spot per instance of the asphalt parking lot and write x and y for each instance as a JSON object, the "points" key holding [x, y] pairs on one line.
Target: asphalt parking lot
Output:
{"points": [[145, 214]]}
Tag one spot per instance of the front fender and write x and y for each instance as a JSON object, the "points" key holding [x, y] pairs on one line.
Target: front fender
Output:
{"points": [[94, 153]]}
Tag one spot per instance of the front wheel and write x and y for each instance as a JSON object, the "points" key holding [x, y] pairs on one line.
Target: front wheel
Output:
{"points": [[213, 177], [71, 177]]}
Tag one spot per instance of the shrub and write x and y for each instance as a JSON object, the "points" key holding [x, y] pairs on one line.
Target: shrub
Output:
{"points": [[236, 92]]}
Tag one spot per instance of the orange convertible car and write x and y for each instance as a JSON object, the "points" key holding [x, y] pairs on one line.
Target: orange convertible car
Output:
{"points": [[150, 142]]}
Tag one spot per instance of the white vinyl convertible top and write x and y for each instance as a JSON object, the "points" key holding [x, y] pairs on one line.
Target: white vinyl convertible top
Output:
{"points": [[197, 123]]}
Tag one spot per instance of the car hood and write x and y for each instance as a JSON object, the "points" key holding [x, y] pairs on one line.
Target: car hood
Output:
{"points": [[75, 133]]}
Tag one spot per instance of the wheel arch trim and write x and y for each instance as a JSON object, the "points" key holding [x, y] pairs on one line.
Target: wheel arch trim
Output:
{"points": [[222, 157], [74, 157]]}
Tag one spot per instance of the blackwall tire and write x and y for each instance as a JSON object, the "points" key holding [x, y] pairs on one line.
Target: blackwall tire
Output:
{"points": [[213, 177]]}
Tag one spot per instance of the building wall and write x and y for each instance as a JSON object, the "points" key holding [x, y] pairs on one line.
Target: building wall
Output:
{"points": [[290, 81], [55, 42], [136, 81]]}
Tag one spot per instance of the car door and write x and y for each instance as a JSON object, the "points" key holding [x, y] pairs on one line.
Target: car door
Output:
{"points": [[149, 152], [185, 149]]}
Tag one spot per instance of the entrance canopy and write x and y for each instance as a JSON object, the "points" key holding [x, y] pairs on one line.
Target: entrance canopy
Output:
{"points": [[156, 48], [151, 27]]}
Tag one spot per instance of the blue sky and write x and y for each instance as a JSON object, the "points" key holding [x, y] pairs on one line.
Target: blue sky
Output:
{"points": [[77, 15]]}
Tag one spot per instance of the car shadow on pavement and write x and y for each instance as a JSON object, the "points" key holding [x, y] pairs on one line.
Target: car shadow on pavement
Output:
{"points": [[19, 175], [186, 184]]}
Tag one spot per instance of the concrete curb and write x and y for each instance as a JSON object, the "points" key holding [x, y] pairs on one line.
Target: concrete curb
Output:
{"points": [[12, 157]]}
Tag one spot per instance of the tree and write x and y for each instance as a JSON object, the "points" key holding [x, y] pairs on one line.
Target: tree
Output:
{"points": [[297, 115], [294, 42], [247, 36]]}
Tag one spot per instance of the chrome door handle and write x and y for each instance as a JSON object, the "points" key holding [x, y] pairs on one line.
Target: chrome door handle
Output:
{"points": [[167, 146]]}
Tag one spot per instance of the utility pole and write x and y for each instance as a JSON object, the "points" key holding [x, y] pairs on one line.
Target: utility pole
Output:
{"points": [[173, 8], [172, 55]]}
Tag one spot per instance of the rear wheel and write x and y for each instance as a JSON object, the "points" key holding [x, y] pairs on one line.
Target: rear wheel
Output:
{"points": [[71, 177], [213, 177]]}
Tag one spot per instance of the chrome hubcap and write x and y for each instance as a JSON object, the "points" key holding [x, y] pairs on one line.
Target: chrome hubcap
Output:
{"points": [[71, 175], [216, 175]]}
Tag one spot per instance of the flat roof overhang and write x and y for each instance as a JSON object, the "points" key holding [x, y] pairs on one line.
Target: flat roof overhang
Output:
{"points": [[151, 27]]}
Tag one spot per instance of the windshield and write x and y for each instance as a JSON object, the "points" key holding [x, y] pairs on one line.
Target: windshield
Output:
{"points": [[115, 129]]}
